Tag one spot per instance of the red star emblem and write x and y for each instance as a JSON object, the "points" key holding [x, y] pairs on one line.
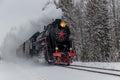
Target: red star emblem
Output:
{"points": [[61, 34]]}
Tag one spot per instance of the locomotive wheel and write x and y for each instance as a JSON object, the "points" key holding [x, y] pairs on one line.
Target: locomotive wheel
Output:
{"points": [[68, 63], [57, 60], [47, 58]]}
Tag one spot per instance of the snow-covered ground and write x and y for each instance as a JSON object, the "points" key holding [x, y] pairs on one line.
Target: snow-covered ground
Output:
{"points": [[17, 12], [37, 71]]}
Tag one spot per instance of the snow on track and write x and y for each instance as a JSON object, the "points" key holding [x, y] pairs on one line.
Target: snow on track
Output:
{"points": [[96, 70]]}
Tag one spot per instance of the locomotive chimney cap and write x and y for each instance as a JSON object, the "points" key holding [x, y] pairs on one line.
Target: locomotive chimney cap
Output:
{"points": [[57, 21]]}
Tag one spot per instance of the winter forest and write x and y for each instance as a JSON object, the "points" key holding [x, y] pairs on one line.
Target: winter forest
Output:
{"points": [[30, 40], [95, 26]]}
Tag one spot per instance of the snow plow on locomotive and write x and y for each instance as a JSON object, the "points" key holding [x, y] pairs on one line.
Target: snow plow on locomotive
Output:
{"points": [[53, 42]]}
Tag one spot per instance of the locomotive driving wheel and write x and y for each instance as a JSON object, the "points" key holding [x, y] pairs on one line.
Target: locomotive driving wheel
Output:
{"points": [[57, 60]]}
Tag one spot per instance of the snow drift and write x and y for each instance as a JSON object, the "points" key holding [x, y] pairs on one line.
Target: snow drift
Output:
{"points": [[17, 35]]}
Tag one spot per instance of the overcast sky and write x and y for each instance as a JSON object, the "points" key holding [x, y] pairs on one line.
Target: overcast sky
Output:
{"points": [[17, 12]]}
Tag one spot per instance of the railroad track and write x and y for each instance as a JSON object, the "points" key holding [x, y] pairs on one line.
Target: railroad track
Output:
{"points": [[96, 68], [112, 72]]}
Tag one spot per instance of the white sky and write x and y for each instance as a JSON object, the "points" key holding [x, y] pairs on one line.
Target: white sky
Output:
{"points": [[17, 12]]}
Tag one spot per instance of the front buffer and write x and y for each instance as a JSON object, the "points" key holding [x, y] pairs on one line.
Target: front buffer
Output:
{"points": [[63, 58]]}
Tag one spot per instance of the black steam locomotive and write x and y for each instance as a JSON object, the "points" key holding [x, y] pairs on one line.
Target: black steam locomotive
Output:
{"points": [[53, 42]]}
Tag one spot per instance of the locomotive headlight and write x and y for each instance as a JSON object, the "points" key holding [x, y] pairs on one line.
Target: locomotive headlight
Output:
{"points": [[56, 48], [63, 24], [71, 49]]}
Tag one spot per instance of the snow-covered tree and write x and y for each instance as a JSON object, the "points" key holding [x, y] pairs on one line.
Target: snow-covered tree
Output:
{"points": [[95, 27], [73, 14], [100, 42]]}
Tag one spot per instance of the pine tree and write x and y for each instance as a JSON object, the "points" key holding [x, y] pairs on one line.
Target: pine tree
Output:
{"points": [[99, 41]]}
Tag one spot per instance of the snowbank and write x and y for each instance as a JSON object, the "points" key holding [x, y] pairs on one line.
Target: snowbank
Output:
{"points": [[17, 35]]}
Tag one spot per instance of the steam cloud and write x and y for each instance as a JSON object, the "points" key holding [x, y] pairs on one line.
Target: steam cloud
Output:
{"points": [[18, 35]]}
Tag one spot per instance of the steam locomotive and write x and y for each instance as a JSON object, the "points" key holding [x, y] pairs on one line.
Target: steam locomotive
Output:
{"points": [[54, 42]]}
